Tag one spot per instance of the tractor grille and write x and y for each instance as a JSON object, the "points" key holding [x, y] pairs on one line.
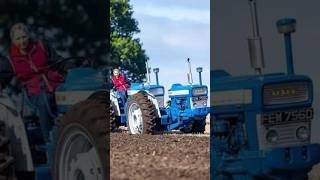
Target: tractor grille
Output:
{"points": [[287, 134], [292, 92], [199, 101]]}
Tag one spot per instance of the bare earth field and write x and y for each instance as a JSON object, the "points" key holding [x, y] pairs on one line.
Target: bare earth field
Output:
{"points": [[169, 156], [158, 157], [315, 173]]}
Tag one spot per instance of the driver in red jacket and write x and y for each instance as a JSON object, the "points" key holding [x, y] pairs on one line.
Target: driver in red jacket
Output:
{"points": [[29, 59], [120, 83]]}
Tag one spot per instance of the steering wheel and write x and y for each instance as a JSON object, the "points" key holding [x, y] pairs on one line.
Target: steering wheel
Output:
{"points": [[65, 64]]}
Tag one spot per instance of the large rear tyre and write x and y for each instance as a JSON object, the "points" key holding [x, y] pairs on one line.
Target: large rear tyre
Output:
{"points": [[141, 114], [112, 118], [101, 96], [81, 151]]}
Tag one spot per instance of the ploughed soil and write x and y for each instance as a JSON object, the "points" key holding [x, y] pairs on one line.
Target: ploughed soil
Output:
{"points": [[314, 174], [158, 157]]}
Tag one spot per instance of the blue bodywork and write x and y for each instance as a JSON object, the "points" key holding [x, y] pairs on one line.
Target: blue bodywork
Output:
{"points": [[256, 123], [137, 87], [81, 79], [77, 80], [179, 113], [240, 156]]}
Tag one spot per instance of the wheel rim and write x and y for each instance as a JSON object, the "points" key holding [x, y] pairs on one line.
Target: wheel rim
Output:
{"points": [[79, 159], [135, 119]]}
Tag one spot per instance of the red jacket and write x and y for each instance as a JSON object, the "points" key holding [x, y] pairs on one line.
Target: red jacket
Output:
{"points": [[29, 68], [120, 83]]}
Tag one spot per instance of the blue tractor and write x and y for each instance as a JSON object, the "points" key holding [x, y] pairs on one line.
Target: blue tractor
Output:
{"points": [[261, 124], [77, 148], [146, 113]]}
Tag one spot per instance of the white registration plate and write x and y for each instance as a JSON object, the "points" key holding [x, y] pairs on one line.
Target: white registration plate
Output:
{"points": [[283, 117]]}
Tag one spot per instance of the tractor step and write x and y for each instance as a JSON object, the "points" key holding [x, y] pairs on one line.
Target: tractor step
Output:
{"points": [[43, 148]]}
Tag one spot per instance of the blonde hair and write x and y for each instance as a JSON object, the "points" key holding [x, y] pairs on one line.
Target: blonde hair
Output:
{"points": [[114, 70], [18, 27]]}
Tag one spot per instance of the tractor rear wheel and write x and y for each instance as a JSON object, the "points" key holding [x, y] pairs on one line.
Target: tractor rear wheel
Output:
{"points": [[112, 118], [81, 149], [141, 114], [103, 97]]}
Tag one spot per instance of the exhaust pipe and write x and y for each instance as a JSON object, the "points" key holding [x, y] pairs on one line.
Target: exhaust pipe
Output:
{"points": [[148, 73], [255, 42], [156, 71], [190, 78], [199, 70], [286, 26]]}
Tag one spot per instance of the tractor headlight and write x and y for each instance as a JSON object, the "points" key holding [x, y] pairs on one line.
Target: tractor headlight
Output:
{"points": [[303, 133], [205, 103], [272, 136]]}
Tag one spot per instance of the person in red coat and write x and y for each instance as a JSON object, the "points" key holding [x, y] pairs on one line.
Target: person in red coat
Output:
{"points": [[29, 59], [120, 83]]}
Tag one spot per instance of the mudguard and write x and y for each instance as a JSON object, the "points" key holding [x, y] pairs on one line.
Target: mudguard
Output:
{"points": [[17, 134], [114, 103], [153, 99]]}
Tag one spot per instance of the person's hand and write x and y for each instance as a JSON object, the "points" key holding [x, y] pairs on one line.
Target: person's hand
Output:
{"points": [[15, 85], [114, 88]]}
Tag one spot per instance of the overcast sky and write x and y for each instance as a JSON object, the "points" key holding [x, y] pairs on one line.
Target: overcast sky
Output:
{"points": [[172, 31], [230, 29]]}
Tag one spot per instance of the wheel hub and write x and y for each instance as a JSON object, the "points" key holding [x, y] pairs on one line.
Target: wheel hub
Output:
{"points": [[83, 166], [79, 159], [135, 119]]}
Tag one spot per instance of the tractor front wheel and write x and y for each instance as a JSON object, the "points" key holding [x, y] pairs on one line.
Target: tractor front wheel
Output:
{"points": [[199, 126], [81, 148], [187, 128], [141, 114]]}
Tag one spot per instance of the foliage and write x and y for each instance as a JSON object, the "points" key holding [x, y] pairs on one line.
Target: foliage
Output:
{"points": [[126, 51], [72, 27]]}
